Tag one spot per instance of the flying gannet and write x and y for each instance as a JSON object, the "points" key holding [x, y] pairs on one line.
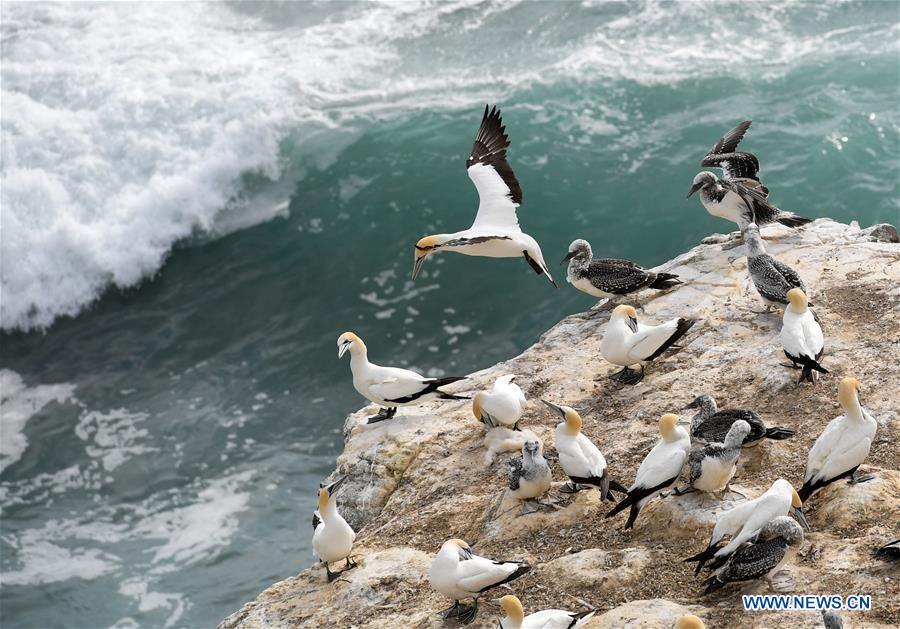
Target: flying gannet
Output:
{"points": [[495, 232], [627, 342], [545, 619], [713, 466], [689, 621], [580, 459], [843, 445], [459, 574], [503, 405], [609, 277], [710, 425], [529, 475], [801, 336], [332, 536], [746, 519], [390, 387], [761, 557], [659, 470], [832, 620], [772, 279]]}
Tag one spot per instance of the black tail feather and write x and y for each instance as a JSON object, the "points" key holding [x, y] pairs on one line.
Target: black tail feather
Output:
{"points": [[793, 220], [665, 280], [615, 486], [621, 506], [809, 488], [681, 329], [712, 584], [522, 569], [778, 433]]}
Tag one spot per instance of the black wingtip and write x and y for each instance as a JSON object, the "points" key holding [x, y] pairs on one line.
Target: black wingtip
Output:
{"points": [[681, 328], [793, 220], [778, 433]]}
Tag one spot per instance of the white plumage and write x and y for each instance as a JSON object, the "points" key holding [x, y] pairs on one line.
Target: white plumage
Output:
{"points": [[579, 458], [332, 537], [546, 619], [801, 335], [503, 405]]}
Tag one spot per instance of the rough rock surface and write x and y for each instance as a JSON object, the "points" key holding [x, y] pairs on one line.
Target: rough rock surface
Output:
{"points": [[422, 477]]}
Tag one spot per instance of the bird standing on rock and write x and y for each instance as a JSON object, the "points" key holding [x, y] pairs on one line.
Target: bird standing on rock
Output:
{"points": [[529, 475], [332, 536], [503, 405], [772, 279], [801, 337], [713, 466], [710, 425]]}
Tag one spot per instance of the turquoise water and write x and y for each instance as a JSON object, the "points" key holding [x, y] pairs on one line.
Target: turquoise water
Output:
{"points": [[197, 200]]}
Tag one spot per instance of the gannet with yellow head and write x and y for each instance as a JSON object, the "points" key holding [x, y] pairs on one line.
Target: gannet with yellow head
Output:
{"points": [[689, 621], [801, 336], [545, 619], [332, 536], [503, 405]]}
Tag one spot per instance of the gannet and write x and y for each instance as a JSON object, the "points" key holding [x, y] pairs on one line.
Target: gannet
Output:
{"points": [[761, 557], [890, 551], [659, 470], [843, 445], [627, 342], [459, 574], [332, 536], [832, 620], [503, 405], [608, 277], [745, 520], [713, 466], [801, 336], [772, 279], [495, 232], [529, 475], [711, 425], [689, 621], [390, 387], [580, 459], [546, 619]]}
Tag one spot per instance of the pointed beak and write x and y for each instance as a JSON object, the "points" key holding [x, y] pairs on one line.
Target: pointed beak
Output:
{"points": [[797, 513], [417, 266], [683, 422], [555, 407], [694, 189], [568, 257], [343, 349], [632, 324]]}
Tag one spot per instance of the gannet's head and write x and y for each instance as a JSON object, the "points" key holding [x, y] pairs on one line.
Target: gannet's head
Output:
{"points": [[569, 415], [783, 487], [702, 180], [477, 401], [689, 621], [348, 340], [667, 425], [628, 313], [580, 249], [782, 526], [798, 300], [326, 492], [703, 402], [513, 608], [424, 248], [463, 549], [532, 448], [848, 393], [737, 433]]}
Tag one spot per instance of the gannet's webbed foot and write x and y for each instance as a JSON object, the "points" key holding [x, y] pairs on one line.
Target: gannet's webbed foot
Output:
{"points": [[857, 477], [516, 427], [681, 491], [349, 565], [451, 611], [467, 615], [731, 493], [383, 414], [628, 376], [529, 507], [569, 488], [331, 575]]}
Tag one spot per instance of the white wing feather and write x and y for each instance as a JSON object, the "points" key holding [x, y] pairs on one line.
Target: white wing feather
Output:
{"points": [[478, 573], [495, 207]]}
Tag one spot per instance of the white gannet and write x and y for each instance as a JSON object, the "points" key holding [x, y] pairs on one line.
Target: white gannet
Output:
{"points": [[710, 425], [627, 342], [760, 557], [659, 470], [689, 621], [801, 336], [832, 620], [390, 387], [772, 279], [743, 521], [580, 459], [713, 466], [332, 536], [545, 619], [495, 232], [459, 574], [609, 277], [503, 405], [843, 445], [529, 475]]}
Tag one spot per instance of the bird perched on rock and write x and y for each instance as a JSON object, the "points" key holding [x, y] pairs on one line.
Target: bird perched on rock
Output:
{"points": [[529, 475], [689, 621], [503, 405], [659, 470], [332, 536], [545, 619], [710, 425], [609, 277], [713, 466], [760, 557], [390, 387], [580, 459], [627, 342], [459, 574], [772, 279], [843, 445], [495, 232], [801, 336]]}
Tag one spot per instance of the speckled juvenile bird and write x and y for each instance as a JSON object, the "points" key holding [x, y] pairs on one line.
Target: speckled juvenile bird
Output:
{"points": [[772, 279], [713, 466], [711, 425], [529, 476]]}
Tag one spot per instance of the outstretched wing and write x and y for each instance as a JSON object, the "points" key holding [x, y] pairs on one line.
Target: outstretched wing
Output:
{"points": [[734, 164], [499, 193], [729, 142]]}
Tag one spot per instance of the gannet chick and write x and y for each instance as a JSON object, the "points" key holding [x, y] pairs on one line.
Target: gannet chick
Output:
{"points": [[801, 336], [745, 520], [832, 620], [459, 574], [627, 342], [772, 279], [580, 459], [608, 277], [529, 475], [843, 445], [710, 425], [689, 621], [495, 232], [713, 466], [546, 619], [332, 536], [761, 557], [659, 470], [503, 405], [390, 387]]}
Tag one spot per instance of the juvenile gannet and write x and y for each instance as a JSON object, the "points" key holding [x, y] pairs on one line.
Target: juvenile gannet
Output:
{"points": [[832, 620], [332, 536], [529, 475], [772, 279], [495, 232], [761, 557], [801, 336], [713, 466], [689, 621], [711, 425], [843, 445], [608, 277], [627, 342], [580, 459], [546, 619], [659, 470], [503, 405], [390, 387], [459, 574], [746, 519]]}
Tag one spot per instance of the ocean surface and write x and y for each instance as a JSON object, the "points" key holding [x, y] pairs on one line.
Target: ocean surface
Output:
{"points": [[197, 199]]}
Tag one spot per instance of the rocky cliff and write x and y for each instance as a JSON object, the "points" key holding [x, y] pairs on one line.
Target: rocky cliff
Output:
{"points": [[423, 477]]}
